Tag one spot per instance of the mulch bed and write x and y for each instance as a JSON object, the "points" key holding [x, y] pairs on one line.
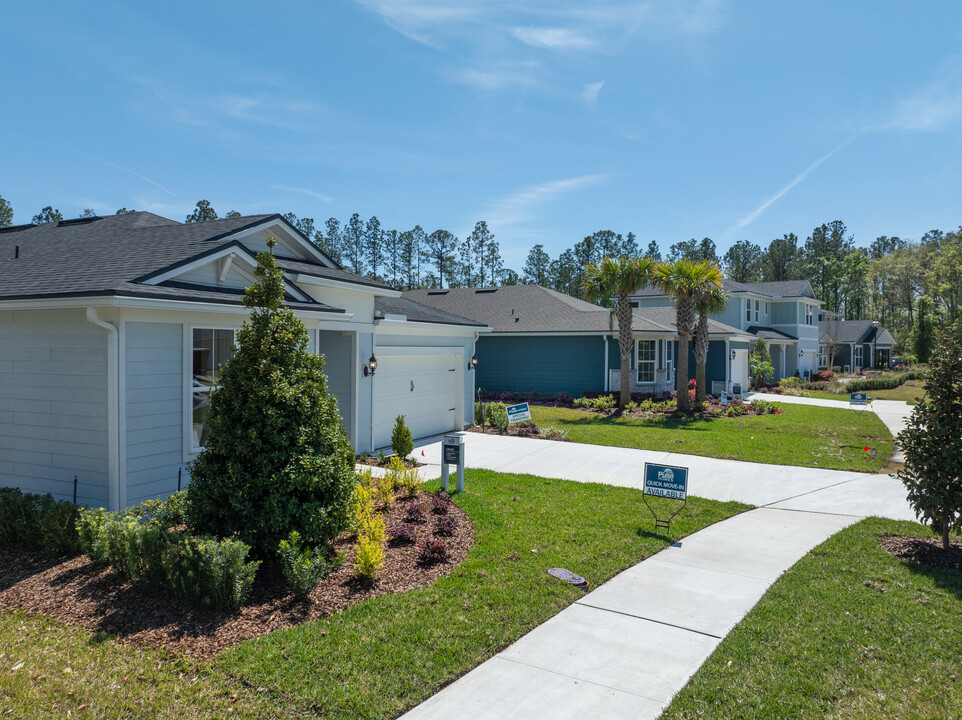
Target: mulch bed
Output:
{"points": [[78, 592], [925, 551], [521, 429], [372, 461]]}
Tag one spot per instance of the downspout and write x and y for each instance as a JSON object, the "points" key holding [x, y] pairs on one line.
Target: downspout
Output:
{"points": [[373, 354], [605, 338], [113, 411]]}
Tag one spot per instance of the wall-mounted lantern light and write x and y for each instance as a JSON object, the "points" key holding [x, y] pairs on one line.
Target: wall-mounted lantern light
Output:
{"points": [[801, 353], [733, 354], [474, 362], [370, 367]]}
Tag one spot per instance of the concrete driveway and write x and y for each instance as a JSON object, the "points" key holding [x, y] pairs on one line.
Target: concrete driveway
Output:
{"points": [[782, 486]]}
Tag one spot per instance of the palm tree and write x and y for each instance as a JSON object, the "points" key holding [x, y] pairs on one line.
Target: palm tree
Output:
{"points": [[619, 277], [712, 300], [684, 281]]}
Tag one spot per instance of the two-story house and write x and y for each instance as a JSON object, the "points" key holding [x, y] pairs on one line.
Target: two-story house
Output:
{"points": [[784, 313]]}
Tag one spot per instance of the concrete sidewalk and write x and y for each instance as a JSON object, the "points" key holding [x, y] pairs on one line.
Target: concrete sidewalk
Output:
{"points": [[627, 647]]}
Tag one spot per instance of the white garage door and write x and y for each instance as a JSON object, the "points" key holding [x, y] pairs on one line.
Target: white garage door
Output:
{"points": [[423, 388]]}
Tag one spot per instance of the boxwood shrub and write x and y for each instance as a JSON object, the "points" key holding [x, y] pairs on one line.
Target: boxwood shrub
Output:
{"points": [[38, 521]]}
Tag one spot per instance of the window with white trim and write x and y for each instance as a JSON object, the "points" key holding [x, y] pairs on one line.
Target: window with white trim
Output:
{"points": [[669, 360], [858, 356], [756, 310], [646, 357], [748, 310], [808, 314], [210, 348], [822, 356]]}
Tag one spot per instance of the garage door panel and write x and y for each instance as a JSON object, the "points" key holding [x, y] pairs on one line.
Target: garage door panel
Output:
{"points": [[428, 408]]}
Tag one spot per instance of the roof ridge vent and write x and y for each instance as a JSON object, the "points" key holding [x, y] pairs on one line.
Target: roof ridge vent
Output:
{"points": [[485, 290], [79, 221]]}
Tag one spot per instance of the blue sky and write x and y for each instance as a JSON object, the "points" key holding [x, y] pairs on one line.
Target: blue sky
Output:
{"points": [[732, 120]]}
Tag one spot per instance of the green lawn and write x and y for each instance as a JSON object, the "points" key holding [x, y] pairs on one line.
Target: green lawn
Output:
{"points": [[849, 632], [376, 658], [801, 435], [910, 392]]}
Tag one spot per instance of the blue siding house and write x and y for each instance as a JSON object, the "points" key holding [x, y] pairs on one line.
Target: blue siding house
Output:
{"points": [[547, 342], [785, 314]]}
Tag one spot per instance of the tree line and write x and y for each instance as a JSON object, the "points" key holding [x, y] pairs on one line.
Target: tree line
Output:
{"points": [[898, 282]]}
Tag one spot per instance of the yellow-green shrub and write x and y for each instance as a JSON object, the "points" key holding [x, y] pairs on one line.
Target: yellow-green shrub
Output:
{"points": [[368, 558]]}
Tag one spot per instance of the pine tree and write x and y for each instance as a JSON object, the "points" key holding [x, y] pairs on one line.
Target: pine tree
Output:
{"points": [[47, 215], [374, 246], [537, 268], [6, 213], [203, 212], [332, 242], [354, 244], [923, 337]]}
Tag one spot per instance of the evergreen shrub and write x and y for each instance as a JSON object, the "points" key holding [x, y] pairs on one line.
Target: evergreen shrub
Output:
{"points": [[277, 457], [304, 567], [401, 442], [38, 521]]}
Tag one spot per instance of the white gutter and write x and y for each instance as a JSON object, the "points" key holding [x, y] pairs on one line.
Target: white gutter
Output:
{"points": [[373, 354], [605, 339], [113, 414]]}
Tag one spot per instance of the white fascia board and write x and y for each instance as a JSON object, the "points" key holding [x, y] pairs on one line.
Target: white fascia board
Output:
{"points": [[150, 304], [230, 250], [549, 334], [388, 323], [342, 285], [295, 235]]}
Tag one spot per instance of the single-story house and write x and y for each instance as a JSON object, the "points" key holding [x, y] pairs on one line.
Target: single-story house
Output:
{"points": [[858, 344], [547, 342], [112, 330], [783, 313]]}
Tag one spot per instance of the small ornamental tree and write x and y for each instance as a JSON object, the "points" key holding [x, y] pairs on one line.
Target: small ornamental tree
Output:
{"points": [[277, 458], [932, 443], [760, 364], [401, 441]]}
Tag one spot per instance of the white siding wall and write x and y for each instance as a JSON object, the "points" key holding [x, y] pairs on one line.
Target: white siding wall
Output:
{"points": [[154, 360], [53, 404], [337, 347]]}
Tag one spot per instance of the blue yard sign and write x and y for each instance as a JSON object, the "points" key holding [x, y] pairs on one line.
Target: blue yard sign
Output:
{"points": [[517, 413], [666, 481], [858, 398]]}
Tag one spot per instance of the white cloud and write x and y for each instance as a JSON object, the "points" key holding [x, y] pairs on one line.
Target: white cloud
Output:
{"points": [[933, 107], [319, 196], [589, 92], [552, 38], [757, 212], [518, 208], [496, 77], [417, 19]]}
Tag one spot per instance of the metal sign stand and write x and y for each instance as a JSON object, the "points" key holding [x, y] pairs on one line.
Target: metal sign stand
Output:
{"points": [[452, 452], [667, 481]]}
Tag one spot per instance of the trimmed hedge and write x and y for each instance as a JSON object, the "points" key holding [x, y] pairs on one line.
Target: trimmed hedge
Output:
{"points": [[38, 521], [150, 556], [884, 382]]}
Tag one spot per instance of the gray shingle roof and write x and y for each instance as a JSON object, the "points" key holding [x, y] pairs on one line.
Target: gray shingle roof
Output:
{"points": [[318, 270], [769, 333], [418, 312], [106, 257], [535, 309], [847, 331]]}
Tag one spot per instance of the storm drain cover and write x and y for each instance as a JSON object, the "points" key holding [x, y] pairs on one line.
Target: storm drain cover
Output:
{"points": [[567, 576]]}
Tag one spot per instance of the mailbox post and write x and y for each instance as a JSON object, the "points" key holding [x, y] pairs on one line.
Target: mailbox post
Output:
{"points": [[452, 453]]}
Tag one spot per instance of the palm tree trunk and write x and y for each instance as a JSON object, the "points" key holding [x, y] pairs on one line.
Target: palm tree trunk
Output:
{"points": [[681, 377], [624, 344], [701, 357]]}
